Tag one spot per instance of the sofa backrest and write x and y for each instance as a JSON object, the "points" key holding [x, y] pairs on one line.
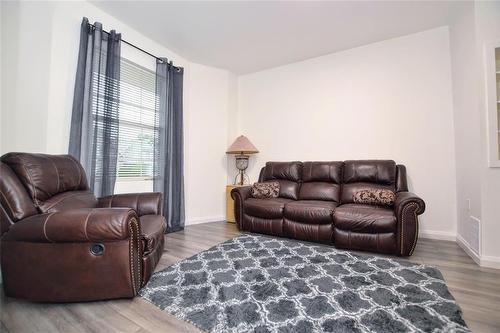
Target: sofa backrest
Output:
{"points": [[401, 182], [46, 177], [363, 174], [14, 198], [334, 181], [321, 181], [287, 174]]}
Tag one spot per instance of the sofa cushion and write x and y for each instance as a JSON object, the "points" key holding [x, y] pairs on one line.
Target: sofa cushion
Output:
{"points": [[310, 211], [266, 190], [328, 172], [379, 197], [283, 170], [370, 171], [47, 175], [265, 208], [287, 174], [319, 191], [321, 181], [364, 218], [288, 189], [68, 200], [152, 232], [14, 197], [367, 174]]}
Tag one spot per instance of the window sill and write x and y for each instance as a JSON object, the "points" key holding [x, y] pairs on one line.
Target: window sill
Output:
{"points": [[134, 179]]}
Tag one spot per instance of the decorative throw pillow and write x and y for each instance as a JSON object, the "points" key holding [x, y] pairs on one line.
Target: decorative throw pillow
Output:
{"points": [[265, 190], [379, 197]]}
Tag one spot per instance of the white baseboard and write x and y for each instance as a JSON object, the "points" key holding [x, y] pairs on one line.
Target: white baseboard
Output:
{"points": [[483, 261], [468, 249], [440, 235], [490, 262], [200, 220]]}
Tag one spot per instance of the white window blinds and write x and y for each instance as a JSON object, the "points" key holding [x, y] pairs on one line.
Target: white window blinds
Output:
{"points": [[136, 121]]}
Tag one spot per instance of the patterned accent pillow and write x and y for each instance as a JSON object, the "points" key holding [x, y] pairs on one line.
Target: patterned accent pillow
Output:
{"points": [[265, 190], [379, 197]]}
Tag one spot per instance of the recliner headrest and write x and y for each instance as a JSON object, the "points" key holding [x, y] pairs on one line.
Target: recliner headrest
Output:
{"points": [[47, 175], [370, 171], [283, 170], [329, 172]]}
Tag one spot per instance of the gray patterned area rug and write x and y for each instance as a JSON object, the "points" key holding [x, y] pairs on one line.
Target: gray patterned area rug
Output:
{"points": [[255, 283]]}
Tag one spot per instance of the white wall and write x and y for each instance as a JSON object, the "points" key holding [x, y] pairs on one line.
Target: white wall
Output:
{"points": [[465, 75], [24, 76], [473, 25], [388, 100], [206, 128], [43, 40], [487, 30]]}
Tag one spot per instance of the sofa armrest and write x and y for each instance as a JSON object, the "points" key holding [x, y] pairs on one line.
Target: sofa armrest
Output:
{"points": [[143, 203], [77, 225], [405, 198], [407, 208], [239, 195]]}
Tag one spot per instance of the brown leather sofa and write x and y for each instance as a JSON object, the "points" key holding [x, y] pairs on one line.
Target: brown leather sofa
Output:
{"points": [[61, 244], [315, 203]]}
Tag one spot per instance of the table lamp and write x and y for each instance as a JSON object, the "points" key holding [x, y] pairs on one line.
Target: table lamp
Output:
{"points": [[241, 147]]}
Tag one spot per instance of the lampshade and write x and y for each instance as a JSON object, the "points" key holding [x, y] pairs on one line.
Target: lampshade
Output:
{"points": [[242, 146]]}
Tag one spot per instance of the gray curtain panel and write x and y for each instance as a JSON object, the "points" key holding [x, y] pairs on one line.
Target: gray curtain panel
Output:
{"points": [[168, 164], [94, 122]]}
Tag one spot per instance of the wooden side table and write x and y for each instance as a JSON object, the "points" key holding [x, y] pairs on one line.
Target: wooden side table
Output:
{"points": [[230, 203]]}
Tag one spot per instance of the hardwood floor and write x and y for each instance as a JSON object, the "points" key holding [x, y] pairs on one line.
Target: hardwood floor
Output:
{"points": [[476, 289]]}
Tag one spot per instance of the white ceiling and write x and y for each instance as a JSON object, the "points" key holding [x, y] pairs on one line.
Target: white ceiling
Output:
{"points": [[248, 36]]}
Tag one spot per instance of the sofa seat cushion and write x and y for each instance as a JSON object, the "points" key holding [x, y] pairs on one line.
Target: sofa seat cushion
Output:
{"points": [[265, 208], [152, 232], [68, 200], [310, 211], [364, 218]]}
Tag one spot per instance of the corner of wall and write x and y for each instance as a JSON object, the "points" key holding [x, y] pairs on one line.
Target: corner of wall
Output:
{"points": [[233, 129], [466, 123]]}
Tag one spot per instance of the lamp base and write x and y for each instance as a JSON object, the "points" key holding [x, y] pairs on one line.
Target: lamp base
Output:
{"points": [[241, 178], [242, 165]]}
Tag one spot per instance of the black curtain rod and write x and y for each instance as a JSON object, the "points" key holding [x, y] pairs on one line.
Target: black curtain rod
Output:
{"points": [[135, 47]]}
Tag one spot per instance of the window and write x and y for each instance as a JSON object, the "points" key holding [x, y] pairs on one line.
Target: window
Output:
{"points": [[130, 115], [137, 117]]}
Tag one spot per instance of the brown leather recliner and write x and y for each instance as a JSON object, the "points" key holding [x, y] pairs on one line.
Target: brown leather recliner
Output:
{"points": [[61, 244], [315, 203]]}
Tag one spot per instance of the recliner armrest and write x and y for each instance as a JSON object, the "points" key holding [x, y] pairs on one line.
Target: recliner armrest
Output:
{"points": [[244, 192], [143, 203], [77, 225], [239, 195], [405, 198], [407, 208]]}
